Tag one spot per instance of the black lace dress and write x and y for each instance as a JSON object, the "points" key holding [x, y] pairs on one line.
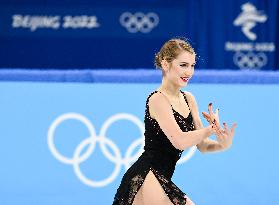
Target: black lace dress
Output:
{"points": [[159, 156]]}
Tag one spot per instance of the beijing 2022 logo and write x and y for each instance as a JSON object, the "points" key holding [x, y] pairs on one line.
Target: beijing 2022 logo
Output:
{"points": [[86, 147], [250, 55]]}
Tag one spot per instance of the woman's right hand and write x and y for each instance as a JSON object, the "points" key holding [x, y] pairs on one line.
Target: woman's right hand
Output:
{"points": [[213, 119]]}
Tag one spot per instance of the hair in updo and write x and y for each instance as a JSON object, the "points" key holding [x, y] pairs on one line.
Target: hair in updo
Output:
{"points": [[171, 49]]}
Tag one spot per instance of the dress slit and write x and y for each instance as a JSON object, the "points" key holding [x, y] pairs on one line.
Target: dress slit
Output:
{"points": [[175, 195]]}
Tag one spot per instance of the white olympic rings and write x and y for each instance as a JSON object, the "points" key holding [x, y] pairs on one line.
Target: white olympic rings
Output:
{"points": [[250, 60], [93, 139], [139, 22]]}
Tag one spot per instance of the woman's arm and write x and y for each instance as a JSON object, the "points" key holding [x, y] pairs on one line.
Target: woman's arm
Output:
{"points": [[165, 118], [206, 145]]}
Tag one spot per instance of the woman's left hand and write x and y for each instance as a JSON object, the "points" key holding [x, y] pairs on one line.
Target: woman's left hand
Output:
{"points": [[224, 135]]}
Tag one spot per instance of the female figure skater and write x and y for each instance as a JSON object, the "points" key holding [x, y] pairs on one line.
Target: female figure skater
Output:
{"points": [[172, 124]]}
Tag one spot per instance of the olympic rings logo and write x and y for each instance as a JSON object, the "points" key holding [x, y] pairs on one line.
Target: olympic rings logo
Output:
{"points": [[250, 60], [139, 22], [103, 142]]}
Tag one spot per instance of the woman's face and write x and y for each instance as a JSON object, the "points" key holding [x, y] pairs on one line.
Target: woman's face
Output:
{"points": [[182, 69]]}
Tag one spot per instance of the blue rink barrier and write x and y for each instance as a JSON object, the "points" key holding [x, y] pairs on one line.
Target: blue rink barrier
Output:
{"points": [[136, 76], [51, 135]]}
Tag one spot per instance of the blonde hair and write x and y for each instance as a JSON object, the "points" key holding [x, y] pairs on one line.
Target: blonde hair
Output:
{"points": [[171, 49]]}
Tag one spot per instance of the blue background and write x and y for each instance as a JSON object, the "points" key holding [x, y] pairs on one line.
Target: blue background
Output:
{"points": [[245, 174], [208, 25]]}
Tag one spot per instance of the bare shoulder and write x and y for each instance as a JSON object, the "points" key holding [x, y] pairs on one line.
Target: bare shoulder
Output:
{"points": [[158, 103], [190, 97], [188, 94], [158, 99]]}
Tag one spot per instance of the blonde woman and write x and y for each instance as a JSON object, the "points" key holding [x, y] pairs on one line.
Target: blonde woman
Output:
{"points": [[172, 124]]}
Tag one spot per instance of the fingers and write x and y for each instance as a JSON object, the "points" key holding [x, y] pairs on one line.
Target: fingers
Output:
{"points": [[233, 127], [210, 111], [219, 131], [206, 116], [215, 124], [225, 127], [209, 117], [229, 132], [217, 111], [213, 118], [217, 115]]}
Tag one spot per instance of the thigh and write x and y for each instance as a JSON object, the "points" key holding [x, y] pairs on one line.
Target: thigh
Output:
{"points": [[138, 200], [152, 192], [189, 201]]}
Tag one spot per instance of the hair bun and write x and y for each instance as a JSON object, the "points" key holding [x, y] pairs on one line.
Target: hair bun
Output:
{"points": [[158, 60]]}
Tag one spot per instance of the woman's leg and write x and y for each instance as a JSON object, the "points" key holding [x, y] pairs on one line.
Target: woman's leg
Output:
{"points": [[138, 200], [189, 201], [151, 192]]}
